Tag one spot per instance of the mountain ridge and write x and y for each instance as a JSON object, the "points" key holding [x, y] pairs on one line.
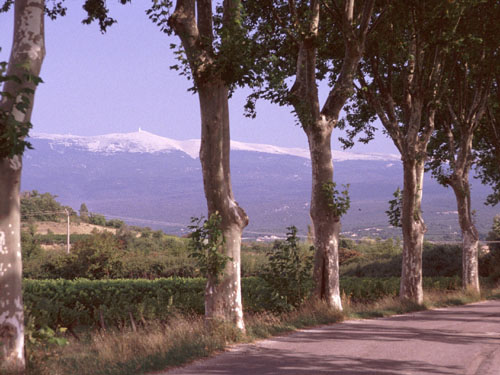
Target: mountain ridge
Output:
{"points": [[145, 142], [164, 189]]}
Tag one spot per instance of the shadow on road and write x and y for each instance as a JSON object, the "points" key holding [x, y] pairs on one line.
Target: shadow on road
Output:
{"points": [[272, 362]]}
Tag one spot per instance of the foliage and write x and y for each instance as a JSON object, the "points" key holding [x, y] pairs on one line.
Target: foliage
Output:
{"points": [[97, 256], [97, 219], [115, 223], [395, 205], [84, 213], [206, 245], [81, 302], [491, 261], [12, 131], [463, 135], [338, 202], [405, 56], [154, 256], [227, 60], [487, 145], [288, 272], [42, 207], [383, 259], [30, 245]]}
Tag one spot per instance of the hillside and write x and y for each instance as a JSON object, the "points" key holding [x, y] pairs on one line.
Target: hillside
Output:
{"points": [[45, 227], [153, 181]]}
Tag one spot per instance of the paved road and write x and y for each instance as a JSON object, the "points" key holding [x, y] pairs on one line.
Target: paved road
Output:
{"points": [[458, 340]]}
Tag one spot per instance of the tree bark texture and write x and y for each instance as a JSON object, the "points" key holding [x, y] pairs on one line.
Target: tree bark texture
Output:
{"points": [[223, 298], [192, 21], [464, 120], [408, 116], [28, 51], [413, 232], [470, 236], [326, 224]]}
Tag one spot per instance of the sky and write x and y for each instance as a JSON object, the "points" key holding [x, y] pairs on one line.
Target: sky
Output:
{"points": [[120, 81]]}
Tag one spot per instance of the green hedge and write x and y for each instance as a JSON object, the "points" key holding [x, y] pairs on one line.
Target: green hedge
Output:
{"points": [[71, 303], [370, 289], [82, 302]]}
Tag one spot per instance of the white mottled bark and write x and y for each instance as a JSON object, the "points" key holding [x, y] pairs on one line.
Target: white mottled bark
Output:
{"points": [[28, 51], [326, 224], [222, 298]]}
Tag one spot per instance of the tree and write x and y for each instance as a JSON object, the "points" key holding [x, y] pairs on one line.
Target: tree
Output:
{"points": [[401, 81], [471, 65], [306, 41], [210, 56], [16, 105], [84, 213], [491, 262], [488, 145]]}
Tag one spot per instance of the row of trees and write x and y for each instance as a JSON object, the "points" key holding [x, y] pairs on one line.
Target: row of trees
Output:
{"points": [[428, 70]]}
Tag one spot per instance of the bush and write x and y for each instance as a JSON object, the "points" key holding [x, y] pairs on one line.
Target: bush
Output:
{"points": [[288, 272], [82, 302], [97, 220], [490, 262], [382, 259], [442, 260], [42, 207], [98, 256], [71, 303], [115, 223]]}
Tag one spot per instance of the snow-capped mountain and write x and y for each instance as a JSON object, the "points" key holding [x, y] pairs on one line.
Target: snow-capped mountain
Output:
{"points": [[146, 142], [155, 181]]}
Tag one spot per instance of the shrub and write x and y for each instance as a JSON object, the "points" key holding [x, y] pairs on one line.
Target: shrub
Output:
{"points": [[98, 256], [97, 220], [288, 272], [490, 262], [42, 207], [82, 302]]}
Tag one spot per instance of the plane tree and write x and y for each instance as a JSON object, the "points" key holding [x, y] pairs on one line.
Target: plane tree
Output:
{"points": [[462, 112], [487, 145], [301, 43], [19, 78], [401, 81], [212, 53]]}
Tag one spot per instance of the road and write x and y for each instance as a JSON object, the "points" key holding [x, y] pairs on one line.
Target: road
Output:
{"points": [[457, 340]]}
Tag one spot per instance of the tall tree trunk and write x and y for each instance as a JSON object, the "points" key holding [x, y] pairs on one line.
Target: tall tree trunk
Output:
{"points": [[192, 21], [413, 231], [222, 297], [326, 224], [11, 303], [28, 51], [470, 236]]}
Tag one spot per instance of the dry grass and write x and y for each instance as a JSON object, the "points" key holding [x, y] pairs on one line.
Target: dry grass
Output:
{"points": [[43, 227], [126, 351], [157, 346]]}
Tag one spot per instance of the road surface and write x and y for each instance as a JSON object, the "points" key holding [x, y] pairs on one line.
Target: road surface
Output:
{"points": [[457, 340]]}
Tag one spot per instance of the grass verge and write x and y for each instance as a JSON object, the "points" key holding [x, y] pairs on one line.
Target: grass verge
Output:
{"points": [[157, 346]]}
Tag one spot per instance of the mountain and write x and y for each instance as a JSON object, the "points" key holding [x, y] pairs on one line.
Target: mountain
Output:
{"points": [[155, 181]]}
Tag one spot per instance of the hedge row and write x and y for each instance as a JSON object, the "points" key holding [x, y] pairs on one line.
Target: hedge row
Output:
{"points": [[82, 302]]}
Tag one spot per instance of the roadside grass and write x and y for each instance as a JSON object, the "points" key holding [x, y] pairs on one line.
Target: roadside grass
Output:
{"points": [[156, 346]]}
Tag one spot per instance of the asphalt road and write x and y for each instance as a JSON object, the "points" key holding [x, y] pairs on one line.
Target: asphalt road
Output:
{"points": [[457, 340]]}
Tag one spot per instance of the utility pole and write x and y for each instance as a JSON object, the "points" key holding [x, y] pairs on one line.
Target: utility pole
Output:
{"points": [[67, 237]]}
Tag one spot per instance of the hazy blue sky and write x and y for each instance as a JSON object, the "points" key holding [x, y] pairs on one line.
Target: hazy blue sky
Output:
{"points": [[120, 81]]}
